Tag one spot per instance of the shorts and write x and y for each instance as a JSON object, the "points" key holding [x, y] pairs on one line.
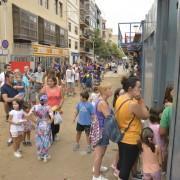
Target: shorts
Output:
{"points": [[15, 134], [81, 128], [104, 141], [154, 176], [70, 85]]}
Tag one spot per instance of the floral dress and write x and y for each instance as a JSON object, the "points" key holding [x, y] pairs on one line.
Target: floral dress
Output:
{"points": [[43, 129]]}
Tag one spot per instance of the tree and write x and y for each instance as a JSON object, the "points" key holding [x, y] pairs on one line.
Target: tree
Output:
{"points": [[105, 50]]}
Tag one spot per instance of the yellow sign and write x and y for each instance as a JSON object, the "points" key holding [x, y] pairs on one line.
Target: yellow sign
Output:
{"points": [[41, 50]]}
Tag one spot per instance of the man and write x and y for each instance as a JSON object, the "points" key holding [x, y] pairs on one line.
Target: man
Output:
{"points": [[70, 75], [38, 76], [9, 94], [28, 80], [7, 68]]}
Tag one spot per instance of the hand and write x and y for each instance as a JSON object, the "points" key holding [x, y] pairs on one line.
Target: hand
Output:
{"points": [[18, 97]]}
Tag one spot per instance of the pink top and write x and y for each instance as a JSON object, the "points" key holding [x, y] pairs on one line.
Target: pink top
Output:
{"points": [[54, 95], [157, 139], [150, 160]]}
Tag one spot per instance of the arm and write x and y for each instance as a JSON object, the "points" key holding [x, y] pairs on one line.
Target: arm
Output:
{"points": [[6, 99], [159, 154], [104, 108], [75, 115], [139, 109]]}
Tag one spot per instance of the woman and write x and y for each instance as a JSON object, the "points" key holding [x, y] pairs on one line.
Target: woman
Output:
{"points": [[133, 110], [55, 99], [102, 111]]}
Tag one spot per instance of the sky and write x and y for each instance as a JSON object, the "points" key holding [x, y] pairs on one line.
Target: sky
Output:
{"points": [[118, 11]]}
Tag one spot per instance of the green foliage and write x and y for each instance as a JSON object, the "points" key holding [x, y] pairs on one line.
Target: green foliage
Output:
{"points": [[104, 49]]}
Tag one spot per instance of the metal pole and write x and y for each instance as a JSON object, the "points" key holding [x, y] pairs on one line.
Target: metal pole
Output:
{"points": [[93, 52]]}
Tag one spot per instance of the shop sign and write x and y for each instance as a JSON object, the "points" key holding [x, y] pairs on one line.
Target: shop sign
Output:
{"points": [[40, 50]]}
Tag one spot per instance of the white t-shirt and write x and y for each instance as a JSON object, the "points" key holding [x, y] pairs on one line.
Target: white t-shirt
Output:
{"points": [[70, 75], [2, 79], [94, 98], [17, 117]]}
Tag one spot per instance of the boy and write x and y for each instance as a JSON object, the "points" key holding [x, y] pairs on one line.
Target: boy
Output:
{"points": [[85, 112]]}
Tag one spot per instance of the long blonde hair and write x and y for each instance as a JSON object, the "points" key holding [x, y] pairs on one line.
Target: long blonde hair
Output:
{"points": [[103, 87]]}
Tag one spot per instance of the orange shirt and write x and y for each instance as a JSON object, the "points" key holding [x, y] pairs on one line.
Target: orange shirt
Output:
{"points": [[54, 95], [124, 116]]}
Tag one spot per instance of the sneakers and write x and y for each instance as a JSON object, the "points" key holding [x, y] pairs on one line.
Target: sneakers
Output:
{"points": [[89, 149], [99, 178], [102, 169], [17, 154], [76, 147], [9, 142], [46, 158]]}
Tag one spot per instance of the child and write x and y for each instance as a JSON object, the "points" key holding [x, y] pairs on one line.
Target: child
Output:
{"points": [[84, 110], [151, 156], [154, 124], [16, 126], [94, 96], [27, 126], [43, 127]]}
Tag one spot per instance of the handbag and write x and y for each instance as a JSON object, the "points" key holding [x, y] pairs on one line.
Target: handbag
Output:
{"points": [[95, 132], [111, 128], [57, 118]]}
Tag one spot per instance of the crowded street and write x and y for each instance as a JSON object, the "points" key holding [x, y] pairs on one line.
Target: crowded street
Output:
{"points": [[65, 164]]}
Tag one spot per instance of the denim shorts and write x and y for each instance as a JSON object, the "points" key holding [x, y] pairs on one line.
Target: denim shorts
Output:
{"points": [[104, 141]]}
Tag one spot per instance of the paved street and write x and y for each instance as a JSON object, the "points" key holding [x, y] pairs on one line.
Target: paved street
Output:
{"points": [[65, 164]]}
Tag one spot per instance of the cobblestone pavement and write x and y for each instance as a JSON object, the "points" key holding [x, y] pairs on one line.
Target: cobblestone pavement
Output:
{"points": [[65, 164]]}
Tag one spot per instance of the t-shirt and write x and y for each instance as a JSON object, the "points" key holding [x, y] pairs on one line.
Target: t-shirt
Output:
{"points": [[150, 160], [2, 78], [94, 98], [10, 91], [17, 117], [166, 117], [70, 75], [85, 111]]}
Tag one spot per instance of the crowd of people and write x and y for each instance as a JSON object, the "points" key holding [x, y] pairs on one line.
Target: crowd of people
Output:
{"points": [[35, 99]]}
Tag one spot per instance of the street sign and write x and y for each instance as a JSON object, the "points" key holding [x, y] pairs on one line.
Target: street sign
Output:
{"points": [[5, 44]]}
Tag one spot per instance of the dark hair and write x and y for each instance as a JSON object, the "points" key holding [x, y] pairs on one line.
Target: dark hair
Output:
{"points": [[53, 78], [6, 65], [147, 138], [168, 97], [20, 103], [116, 95], [95, 88], [155, 115], [84, 95], [26, 105], [7, 74], [129, 82]]}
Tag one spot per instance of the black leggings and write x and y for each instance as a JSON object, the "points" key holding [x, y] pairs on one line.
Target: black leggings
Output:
{"points": [[128, 155], [55, 129]]}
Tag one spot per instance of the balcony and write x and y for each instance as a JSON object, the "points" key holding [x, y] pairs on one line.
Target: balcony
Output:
{"points": [[84, 22]]}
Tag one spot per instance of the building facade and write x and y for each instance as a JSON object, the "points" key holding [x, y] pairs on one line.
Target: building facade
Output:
{"points": [[89, 21], [36, 31], [73, 11]]}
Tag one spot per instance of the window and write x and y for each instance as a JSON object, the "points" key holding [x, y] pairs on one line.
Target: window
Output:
{"points": [[76, 45], [41, 2], [46, 3], [56, 6], [69, 43], [69, 25], [61, 9], [76, 30]]}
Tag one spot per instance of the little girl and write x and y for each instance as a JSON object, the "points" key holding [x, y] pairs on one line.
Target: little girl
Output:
{"points": [[27, 126], [16, 121], [151, 156], [43, 122]]}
